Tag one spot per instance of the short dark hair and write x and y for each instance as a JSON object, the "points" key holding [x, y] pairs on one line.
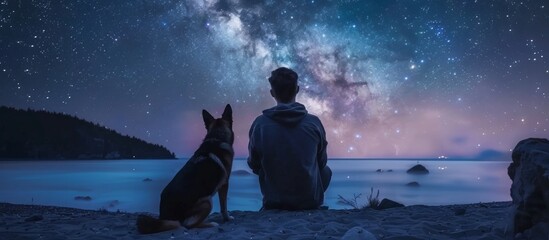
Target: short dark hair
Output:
{"points": [[284, 83]]}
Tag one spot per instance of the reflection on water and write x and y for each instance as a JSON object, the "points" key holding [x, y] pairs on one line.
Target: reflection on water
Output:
{"points": [[119, 184]]}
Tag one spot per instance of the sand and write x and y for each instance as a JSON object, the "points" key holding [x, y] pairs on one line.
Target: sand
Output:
{"points": [[470, 221]]}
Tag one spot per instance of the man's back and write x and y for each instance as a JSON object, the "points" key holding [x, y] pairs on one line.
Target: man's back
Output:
{"points": [[288, 150]]}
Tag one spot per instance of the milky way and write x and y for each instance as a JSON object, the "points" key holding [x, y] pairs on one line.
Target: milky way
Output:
{"points": [[387, 78]]}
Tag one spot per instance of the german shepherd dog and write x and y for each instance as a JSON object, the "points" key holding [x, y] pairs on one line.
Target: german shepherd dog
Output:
{"points": [[187, 200]]}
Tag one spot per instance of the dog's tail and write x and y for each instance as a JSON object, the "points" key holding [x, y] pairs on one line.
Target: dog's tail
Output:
{"points": [[147, 224]]}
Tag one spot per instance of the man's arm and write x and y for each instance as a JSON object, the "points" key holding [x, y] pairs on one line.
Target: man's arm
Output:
{"points": [[253, 159], [322, 156]]}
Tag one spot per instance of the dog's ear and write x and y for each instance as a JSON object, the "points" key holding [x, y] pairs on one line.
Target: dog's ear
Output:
{"points": [[228, 114], [208, 118]]}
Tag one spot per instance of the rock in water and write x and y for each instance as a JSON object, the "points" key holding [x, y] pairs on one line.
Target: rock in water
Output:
{"points": [[358, 233], [412, 184], [418, 169], [529, 172], [83, 198]]}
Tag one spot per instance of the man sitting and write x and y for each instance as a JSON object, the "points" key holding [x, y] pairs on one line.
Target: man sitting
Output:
{"points": [[288, 150]]}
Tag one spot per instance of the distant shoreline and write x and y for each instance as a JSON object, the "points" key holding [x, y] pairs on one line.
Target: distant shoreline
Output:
{"points": [[41, 135], [88, 159]]}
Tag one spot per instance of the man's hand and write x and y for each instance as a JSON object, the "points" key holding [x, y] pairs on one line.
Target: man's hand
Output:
{"points": [[254, 166]]}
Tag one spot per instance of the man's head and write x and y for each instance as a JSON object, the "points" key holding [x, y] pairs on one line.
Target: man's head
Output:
{"points": [[284, 85]]}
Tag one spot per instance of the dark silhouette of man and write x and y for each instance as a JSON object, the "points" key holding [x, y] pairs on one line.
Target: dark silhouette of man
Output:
{"points": [[288, 150]]}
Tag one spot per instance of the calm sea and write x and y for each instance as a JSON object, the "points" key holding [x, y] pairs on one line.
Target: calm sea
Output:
{"points": [[120, 184]]}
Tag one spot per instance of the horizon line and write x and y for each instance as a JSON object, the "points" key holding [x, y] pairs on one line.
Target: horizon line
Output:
{"points": [[400, 158]]}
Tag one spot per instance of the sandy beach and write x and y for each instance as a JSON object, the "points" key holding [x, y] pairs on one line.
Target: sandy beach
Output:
{"points": [[470, 221]]}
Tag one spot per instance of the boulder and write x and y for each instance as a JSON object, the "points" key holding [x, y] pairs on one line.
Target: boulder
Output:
{"points": [[388, 203], [418, 169], [529, 172]]}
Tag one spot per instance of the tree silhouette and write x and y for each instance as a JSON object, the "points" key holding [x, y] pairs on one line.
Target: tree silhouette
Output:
{"points": [[30, 134]]}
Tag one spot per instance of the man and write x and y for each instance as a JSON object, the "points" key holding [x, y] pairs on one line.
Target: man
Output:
{"points": [[288, 150]]}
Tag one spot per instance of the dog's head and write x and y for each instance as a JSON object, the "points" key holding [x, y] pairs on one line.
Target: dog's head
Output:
{"points": [[220, 128]]}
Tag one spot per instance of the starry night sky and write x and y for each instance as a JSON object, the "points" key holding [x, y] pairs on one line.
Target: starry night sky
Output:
{"points": [[387, 78]]}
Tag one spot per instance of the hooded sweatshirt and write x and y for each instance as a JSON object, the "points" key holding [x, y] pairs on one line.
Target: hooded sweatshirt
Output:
{"points": [[287, 150]]}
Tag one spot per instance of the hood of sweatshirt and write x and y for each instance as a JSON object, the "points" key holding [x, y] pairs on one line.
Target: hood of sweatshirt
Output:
{"points": [[287, 114]]}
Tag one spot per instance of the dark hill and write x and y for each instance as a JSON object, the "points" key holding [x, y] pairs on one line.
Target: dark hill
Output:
{"points": [[29, 134]]}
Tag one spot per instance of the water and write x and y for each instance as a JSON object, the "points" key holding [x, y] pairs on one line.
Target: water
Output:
{"points": [[119, 184]]}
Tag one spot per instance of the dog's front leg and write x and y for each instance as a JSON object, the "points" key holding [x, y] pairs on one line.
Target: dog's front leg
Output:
{"points": [[223, 201]]}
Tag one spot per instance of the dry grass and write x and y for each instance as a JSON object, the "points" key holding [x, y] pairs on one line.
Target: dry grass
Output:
{"points": [[373, 201]]}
